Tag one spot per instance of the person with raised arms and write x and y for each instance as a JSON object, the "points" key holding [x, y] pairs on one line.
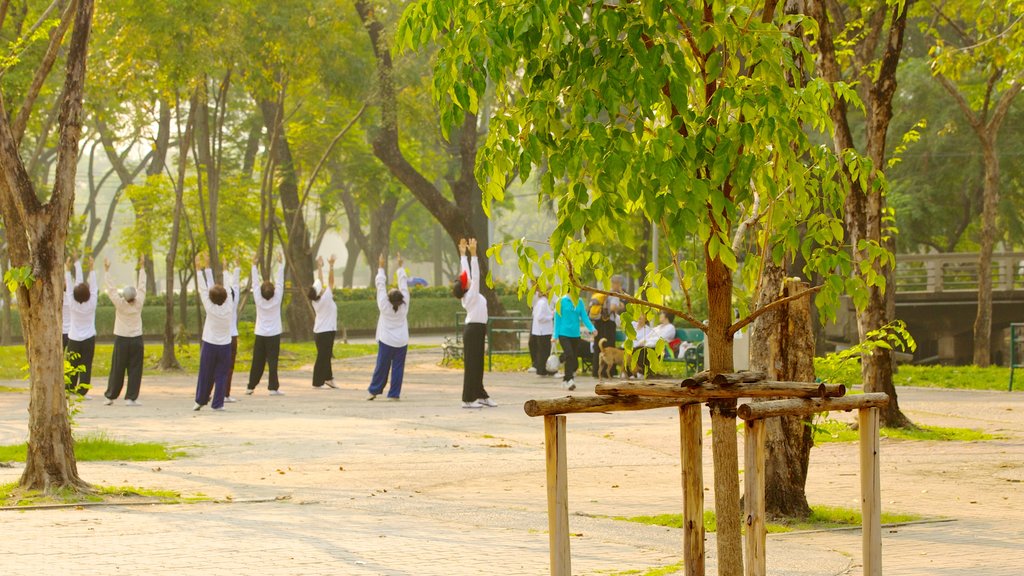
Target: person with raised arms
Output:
{"points": [[392, 331], [82, 331], [267, 348], [215, 349], [129, 348], [467, 289], [325, 326], [232, 283]]}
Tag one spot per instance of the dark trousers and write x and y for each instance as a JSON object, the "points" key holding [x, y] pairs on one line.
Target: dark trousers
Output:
{"points": [[390, 359], [603, 329], [214, 362], [84, 351], [641, 363], [540, 349], [64, 341], [474, 337], [128, 356], [231, 368], [571, 348], [265, 352], [322, 371]]}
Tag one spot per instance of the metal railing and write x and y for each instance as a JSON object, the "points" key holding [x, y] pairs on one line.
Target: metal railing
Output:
{"points": [[956, 272]]}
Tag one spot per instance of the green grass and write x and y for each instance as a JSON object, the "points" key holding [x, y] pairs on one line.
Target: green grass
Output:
{"points": [[660, 571], [12, 495], [959, 377], [293, 357], [100, 447], [833, 431], [821, 518]]}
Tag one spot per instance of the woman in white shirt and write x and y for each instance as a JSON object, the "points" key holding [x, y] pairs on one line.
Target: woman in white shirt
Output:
{"points": [[129, 349], [392, 332], [325, 326], [540, 333], [215, 349], [267, 347], [82, 332], [647, 338], [474, 336]]}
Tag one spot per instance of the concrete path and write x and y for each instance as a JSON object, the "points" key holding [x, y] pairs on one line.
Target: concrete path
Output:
{"points": [[423, 487]]}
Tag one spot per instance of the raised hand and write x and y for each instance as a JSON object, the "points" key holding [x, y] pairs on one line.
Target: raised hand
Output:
{"points": [[382, 261], [106, 265], [90, 262], [462, 246], [280, 258], [319, 261], [472, 246], [331, 260], [399, 255]]}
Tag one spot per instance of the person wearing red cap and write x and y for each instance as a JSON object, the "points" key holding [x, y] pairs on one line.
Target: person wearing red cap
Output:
{"points": [[467, 290]]}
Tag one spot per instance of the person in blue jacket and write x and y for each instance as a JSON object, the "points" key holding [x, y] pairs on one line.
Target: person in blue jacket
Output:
{"points": [[570, 314]]}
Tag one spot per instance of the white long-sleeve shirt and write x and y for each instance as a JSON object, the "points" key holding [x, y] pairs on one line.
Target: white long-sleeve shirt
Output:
{"points": [[666, 332], [268, 312], [232, 281], [543, 317], [217, 327], [326, 310], [66, 309], [473, 301], [392, 325], [83, 314], [128, 315], [643, 333]]}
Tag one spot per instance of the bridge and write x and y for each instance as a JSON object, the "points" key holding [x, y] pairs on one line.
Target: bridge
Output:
{"points": [[937, 296]]}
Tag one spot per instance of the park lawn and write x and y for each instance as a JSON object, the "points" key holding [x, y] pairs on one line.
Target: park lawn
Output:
{"points": [[13, 496], [101, 447], [834, 431], [293, 357], [821, 518]]}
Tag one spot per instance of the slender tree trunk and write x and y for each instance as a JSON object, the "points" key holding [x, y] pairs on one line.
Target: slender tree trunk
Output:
{"points": [[381, 221], [348, 274], [782, 346], [156, 167], [298, 313], [989, 208]]}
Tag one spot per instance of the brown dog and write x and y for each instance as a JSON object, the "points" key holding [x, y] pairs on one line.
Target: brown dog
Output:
{"points": [[610, 358]]}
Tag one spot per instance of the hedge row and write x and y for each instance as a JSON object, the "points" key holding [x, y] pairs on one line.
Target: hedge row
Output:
{"points": [[427, 313]]}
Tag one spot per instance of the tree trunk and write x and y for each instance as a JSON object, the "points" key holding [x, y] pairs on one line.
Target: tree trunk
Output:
{"points": [[864, 209], [457, 218], [352, 248], [298, 313], [723, 420], [990, 205], [381, 221], [206, 164], [782, 346], [36, 233], [156, 167]]}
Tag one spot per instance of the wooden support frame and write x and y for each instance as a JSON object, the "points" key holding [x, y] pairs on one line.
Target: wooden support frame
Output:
{"points": [[709, 391], [558, 495]]}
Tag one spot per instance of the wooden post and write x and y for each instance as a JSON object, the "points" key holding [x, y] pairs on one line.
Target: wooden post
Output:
{"points": [[754, 498], [558, 495], [691, 450], [870, 492]]}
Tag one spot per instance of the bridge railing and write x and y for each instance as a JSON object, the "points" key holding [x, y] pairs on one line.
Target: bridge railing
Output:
{"points": [[956, 272]]}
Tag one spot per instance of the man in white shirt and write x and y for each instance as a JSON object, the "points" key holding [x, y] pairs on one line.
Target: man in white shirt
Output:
{"points": [[541, 329], [647, 338], [215, 349], [267, 347], [82, 332], [392, 332], [325, 325], [129, 349], [232, 282]]}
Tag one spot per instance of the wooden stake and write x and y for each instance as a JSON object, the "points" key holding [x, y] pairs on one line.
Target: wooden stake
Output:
{"points": [[691, 452], [584, 404], [558, 495], [870, 492], [804, 407], [754, 498]]}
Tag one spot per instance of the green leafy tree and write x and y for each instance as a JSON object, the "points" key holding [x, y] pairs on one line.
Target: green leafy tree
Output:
{"points": [[978, 59], [687, 115]]}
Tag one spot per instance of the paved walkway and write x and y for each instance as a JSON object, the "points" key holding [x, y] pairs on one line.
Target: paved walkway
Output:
{"points": [[423, 487]]}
